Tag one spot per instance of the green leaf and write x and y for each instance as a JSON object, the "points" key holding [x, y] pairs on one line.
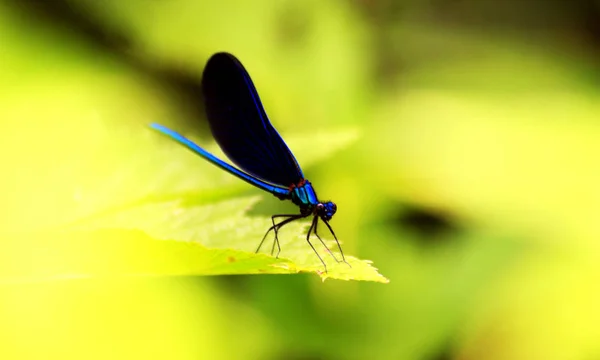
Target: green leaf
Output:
{"points": [[117, 253], [210, 239]]}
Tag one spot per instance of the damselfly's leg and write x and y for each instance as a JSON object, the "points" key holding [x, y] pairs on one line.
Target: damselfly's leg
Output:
{"points": [[276, 227], [337, 242], [321, 240], [312, 225]]}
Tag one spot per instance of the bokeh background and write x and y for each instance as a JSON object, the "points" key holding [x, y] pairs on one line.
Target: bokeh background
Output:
{"points": [[473, 184]]}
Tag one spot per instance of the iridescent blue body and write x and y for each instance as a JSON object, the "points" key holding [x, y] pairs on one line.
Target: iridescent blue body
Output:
{"points": [[242, 129], [305, 197]]}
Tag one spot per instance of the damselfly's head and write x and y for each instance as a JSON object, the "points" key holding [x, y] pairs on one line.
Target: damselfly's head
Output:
{"points": [[326, 210]]}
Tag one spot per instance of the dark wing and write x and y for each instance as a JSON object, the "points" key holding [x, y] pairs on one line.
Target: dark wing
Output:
{"points": [[240, 125]]}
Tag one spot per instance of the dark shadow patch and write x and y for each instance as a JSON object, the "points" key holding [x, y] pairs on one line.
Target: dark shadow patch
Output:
{"points": [[429, 225], [293, 24], [443, 353], [235, 286]]}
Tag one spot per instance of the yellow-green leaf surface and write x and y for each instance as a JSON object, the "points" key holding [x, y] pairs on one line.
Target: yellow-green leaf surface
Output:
{"points": [[118, 253], [208, 239]]}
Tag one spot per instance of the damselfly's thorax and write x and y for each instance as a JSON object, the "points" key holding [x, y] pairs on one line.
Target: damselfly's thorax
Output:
{"points": [[304, 195]]}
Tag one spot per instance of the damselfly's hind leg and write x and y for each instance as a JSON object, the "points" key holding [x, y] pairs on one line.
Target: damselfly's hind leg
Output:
{"points": [[275, 228]]}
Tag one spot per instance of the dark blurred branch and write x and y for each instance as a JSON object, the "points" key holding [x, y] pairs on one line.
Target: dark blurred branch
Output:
{"points": [[574, 19], [590, 10], [114, 42]]}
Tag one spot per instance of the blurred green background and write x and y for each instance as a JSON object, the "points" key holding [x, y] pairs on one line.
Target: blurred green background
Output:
{"points": [[473, 184]]}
